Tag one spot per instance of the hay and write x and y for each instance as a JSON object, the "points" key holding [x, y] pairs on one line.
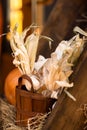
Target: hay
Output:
{"points": [[37, 122], [84, 109], [8, 118]]}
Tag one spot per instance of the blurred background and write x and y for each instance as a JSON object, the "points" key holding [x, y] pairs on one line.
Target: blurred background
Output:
{"points": [[23, 12]]}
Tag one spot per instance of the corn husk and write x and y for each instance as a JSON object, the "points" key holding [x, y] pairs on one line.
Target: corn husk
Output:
{"points": [[24, 49], [49, 73], [58, 68], [21, 59]]}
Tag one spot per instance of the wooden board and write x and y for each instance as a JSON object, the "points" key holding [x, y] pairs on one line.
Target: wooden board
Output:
{"points": [[67, 114]]}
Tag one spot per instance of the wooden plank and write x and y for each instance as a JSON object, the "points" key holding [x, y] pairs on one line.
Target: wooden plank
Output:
{"points": [[67, 114], [60, 23]]}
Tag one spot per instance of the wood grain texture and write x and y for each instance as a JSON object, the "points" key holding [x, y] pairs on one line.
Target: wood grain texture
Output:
{"points": [[67, 114]]}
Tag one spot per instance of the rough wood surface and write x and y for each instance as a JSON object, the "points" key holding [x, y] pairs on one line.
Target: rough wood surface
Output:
{"points": [[60, 23], [67, 114]]}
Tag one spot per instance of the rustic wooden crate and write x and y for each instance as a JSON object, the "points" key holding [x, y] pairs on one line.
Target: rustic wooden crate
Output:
{"points": [[30, 103]]}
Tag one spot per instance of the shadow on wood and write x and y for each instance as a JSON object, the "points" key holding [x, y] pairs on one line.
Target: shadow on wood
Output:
{"points": [[67, 114], [60, 23]]}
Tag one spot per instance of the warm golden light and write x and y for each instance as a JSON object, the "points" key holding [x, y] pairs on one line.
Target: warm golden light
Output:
{"points": [[15, 4], [16, 17], [16, 14]]}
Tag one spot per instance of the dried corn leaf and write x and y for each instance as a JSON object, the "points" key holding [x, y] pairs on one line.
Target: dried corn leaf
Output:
{"points": [[53, 72], [31, 46]]}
